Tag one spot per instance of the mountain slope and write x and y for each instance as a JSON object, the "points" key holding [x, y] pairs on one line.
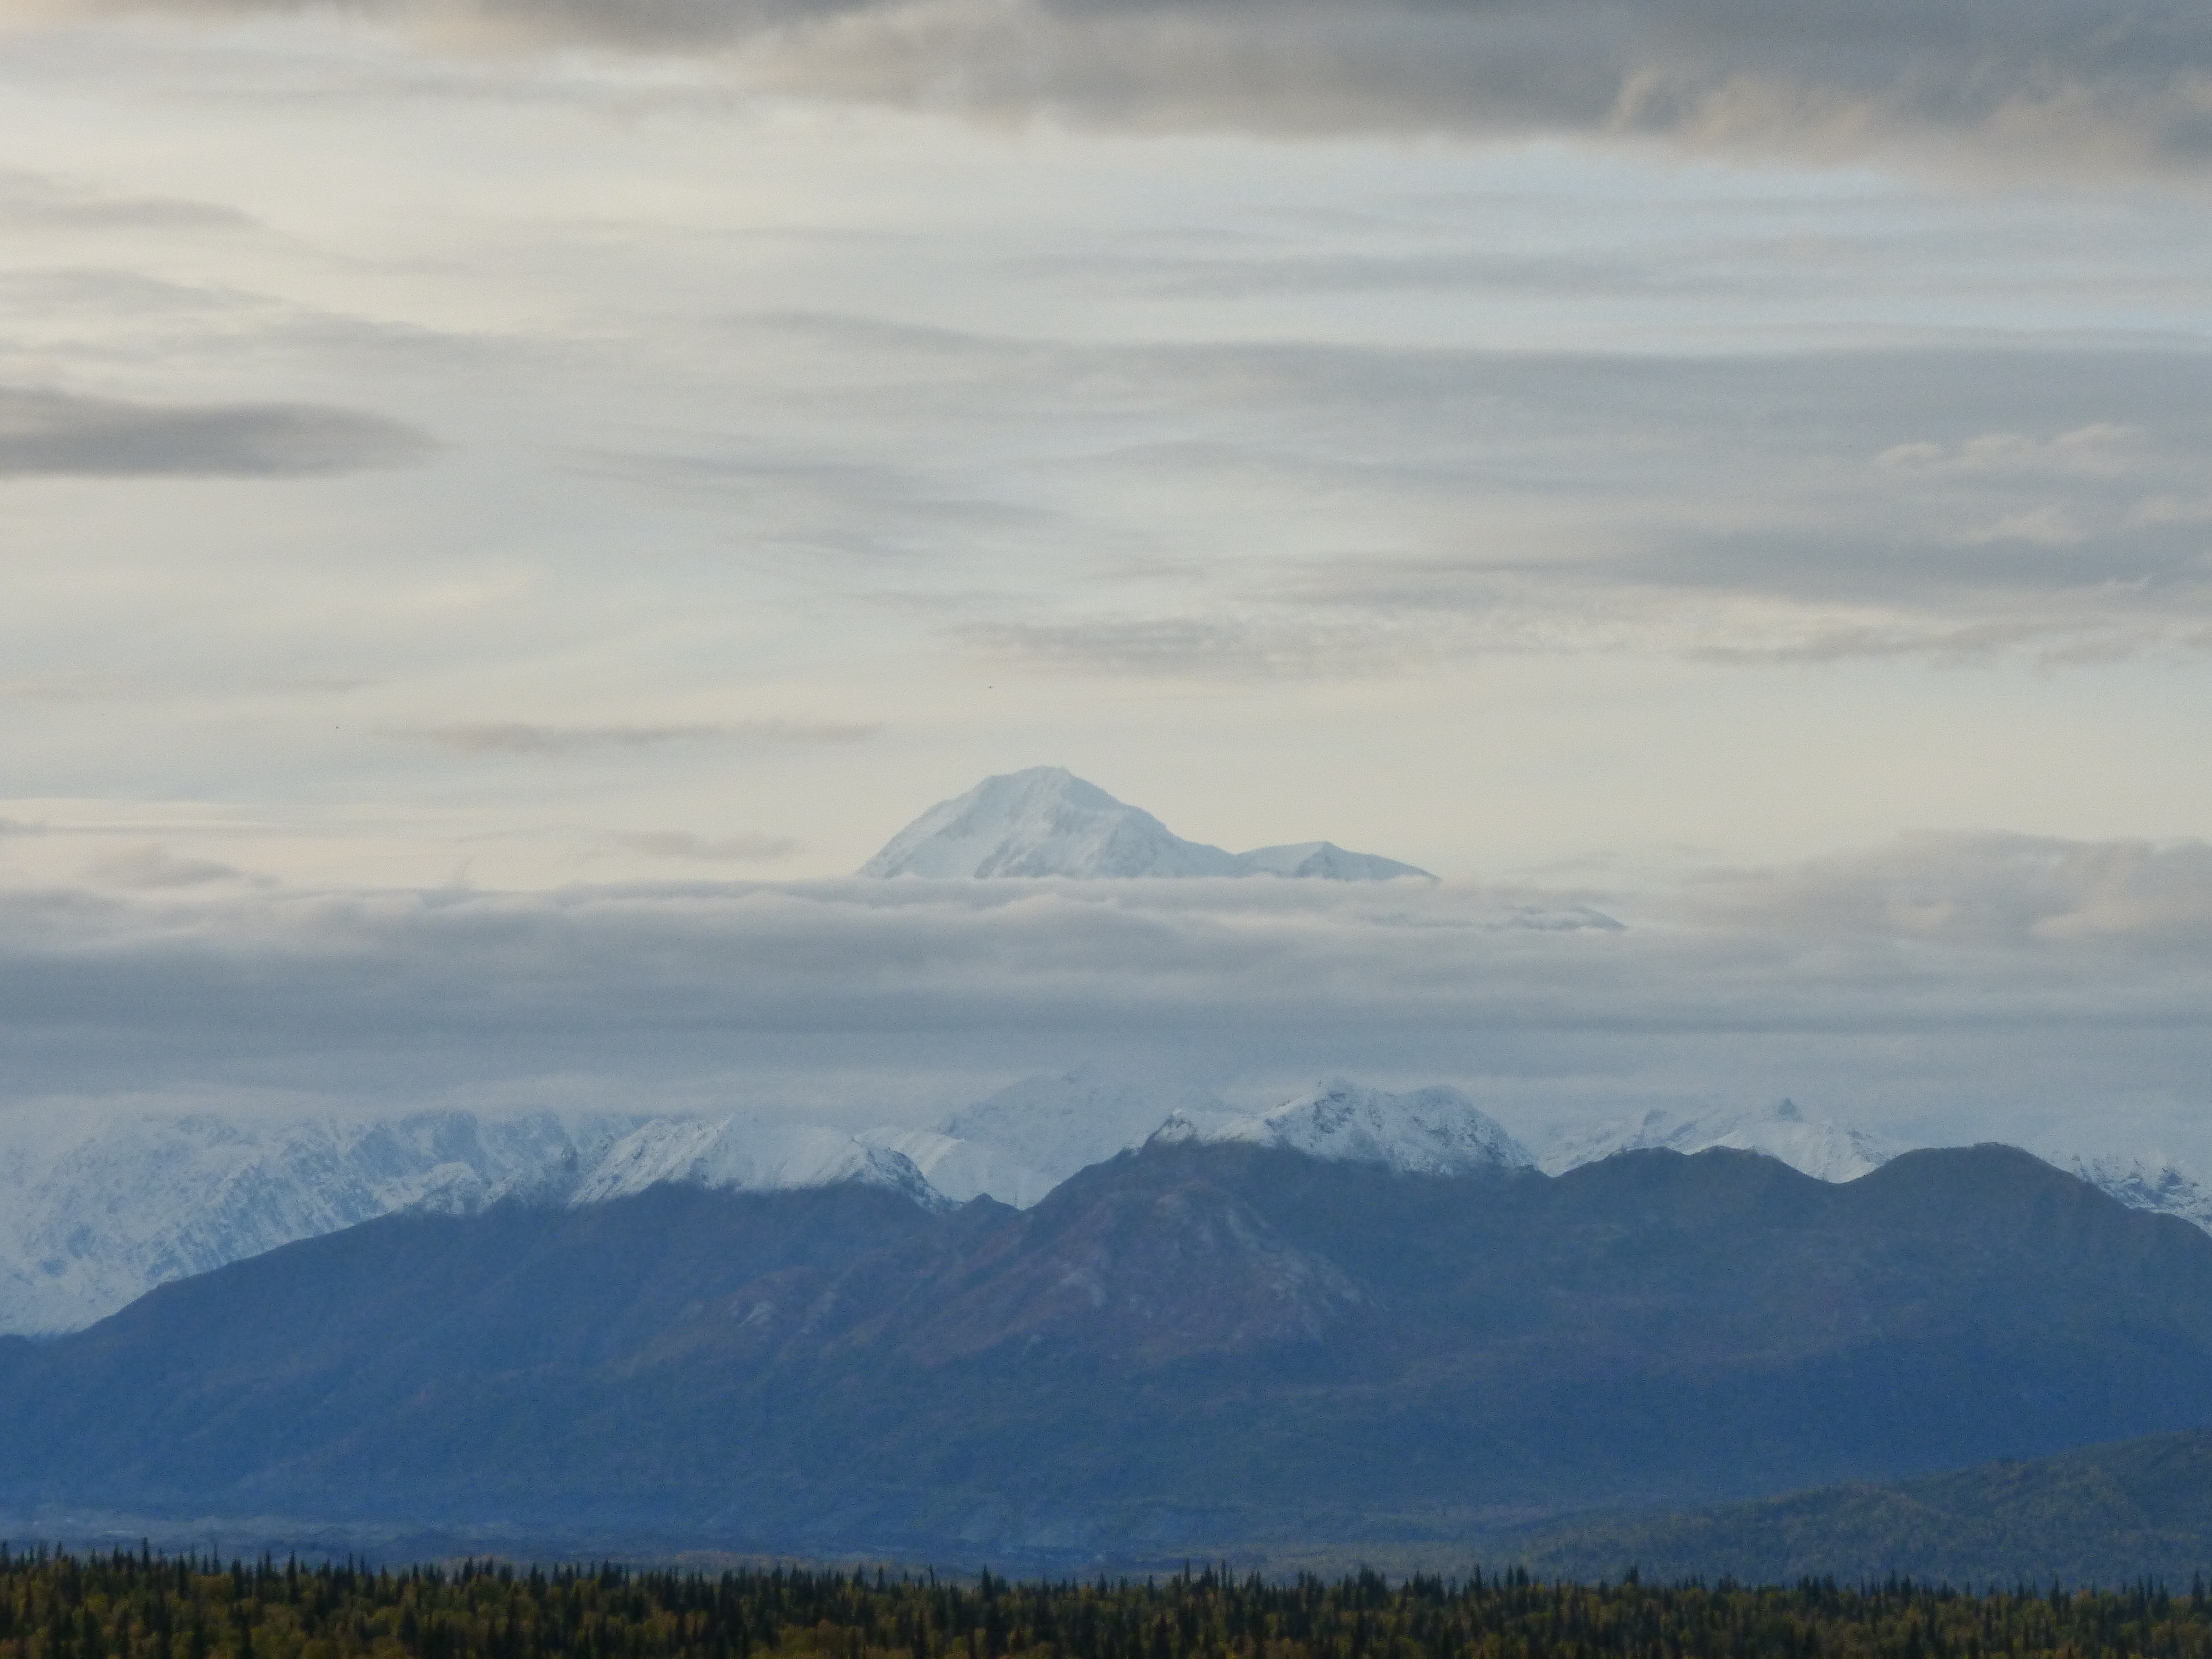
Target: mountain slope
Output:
{"points": [[1048, 822], [1197, 1345]]}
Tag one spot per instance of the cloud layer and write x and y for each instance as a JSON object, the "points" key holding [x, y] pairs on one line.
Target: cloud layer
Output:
{"points": [[1968, 986], [2059, 83]]}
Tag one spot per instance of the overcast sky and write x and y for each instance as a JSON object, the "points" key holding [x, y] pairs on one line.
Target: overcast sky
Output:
{"points": [[505, 505]]}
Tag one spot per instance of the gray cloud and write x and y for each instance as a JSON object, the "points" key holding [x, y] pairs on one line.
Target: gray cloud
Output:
{"points": [[156, 866], [58, 435], [2065, 83], [2013, 891], [1992, 985], [520, 738]]}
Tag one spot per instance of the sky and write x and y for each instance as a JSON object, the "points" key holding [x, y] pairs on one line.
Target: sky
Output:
{"points": [[505, 507]]}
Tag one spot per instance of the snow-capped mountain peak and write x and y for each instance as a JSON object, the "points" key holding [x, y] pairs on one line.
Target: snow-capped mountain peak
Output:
{"points": [[1818, 1146], [1042, 822], [1435, 1131], [1046, 821]]}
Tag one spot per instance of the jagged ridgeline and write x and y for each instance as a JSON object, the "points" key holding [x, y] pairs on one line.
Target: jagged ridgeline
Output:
{"points": [[146, 1607]]}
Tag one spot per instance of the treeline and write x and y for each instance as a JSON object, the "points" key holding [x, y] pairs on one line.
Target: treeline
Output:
{"points": [[122, 1606]]}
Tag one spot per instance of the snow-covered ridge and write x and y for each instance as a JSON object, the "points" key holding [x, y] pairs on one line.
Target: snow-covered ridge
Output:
{"points": [[2152, 1182], [1048, 822], [1820, 1146], [1435, 1131]]}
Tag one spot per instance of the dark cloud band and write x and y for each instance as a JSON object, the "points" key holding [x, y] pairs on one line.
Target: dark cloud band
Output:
{"points": [[2064, 83]]}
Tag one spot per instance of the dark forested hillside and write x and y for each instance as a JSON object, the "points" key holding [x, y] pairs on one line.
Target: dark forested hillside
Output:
{"points": [[2099, 1515], [126, 1607], [1197, 1348]]}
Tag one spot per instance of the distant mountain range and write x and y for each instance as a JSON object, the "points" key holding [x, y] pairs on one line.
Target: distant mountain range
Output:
{"points": [[1048, 822], [95, 1213], [1210, 1344]]}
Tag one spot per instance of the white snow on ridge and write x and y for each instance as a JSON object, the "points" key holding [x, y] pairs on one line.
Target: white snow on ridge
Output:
{"points": [[745, 1155], [1435, 1131], [96, 1209], [1820, 1146], [2152, 1182], [1046, 821], [96, 1212]]}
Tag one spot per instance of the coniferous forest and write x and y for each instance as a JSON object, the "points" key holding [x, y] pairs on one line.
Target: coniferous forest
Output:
{"points": [[146, 1607]]}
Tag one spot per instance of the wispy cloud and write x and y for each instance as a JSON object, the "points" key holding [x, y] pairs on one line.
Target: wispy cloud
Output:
{"points": [[47, 434], [706, 849], [152, 865], [34, 201], [524, 738]]}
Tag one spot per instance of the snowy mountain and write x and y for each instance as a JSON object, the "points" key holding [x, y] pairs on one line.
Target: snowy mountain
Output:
{"points": [[1434, 1131], [97, 1211], [1056, 1123], [1820, 1146], [1048, 822]]}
